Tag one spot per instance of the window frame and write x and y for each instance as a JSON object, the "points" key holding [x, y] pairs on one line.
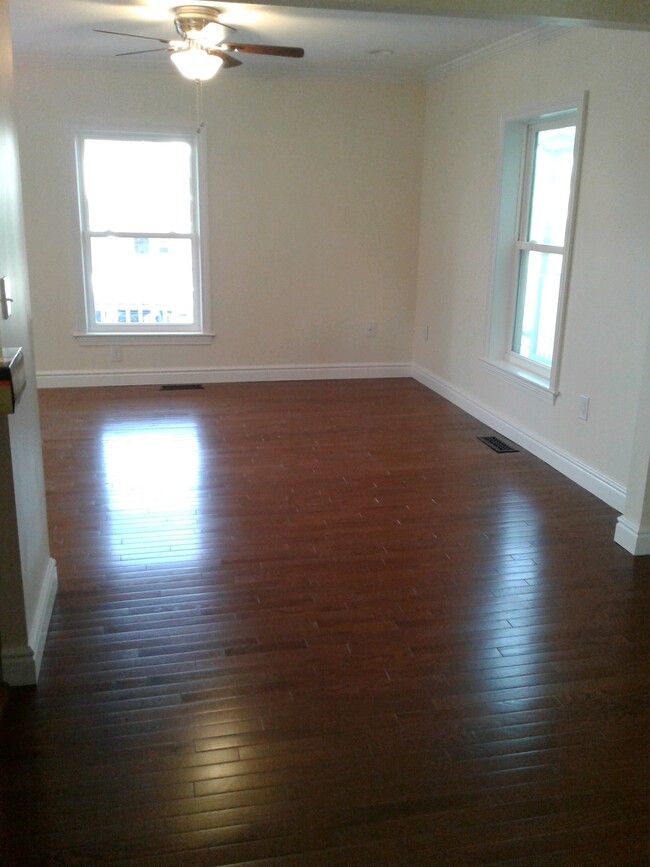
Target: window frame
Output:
{"points": [[514, 188], [91, 332]]}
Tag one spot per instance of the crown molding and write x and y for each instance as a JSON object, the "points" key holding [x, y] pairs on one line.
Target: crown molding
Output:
{"points": [[622, 14], [539, 33]]}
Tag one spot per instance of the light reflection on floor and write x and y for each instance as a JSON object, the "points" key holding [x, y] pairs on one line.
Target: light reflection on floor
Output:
{"points": [[515, 643], [151, 481]]}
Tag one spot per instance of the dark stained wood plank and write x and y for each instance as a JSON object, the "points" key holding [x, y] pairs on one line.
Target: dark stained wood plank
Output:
{"points": [[319, 623]]}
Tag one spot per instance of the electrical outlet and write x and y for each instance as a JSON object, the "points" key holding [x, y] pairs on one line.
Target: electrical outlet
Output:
{"points": [[370, 329], [116, 353], [583, 407]]}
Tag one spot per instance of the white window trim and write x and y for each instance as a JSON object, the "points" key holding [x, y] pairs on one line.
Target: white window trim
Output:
{"points": [[87, 332], [499, 359], [119, 338]]}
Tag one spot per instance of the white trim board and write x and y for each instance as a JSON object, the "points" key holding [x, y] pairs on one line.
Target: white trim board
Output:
{"points": [[587, 477], [21, 665], [632, 538], [538, 33], [280, 373]]}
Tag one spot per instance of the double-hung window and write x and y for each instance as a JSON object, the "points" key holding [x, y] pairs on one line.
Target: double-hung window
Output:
{"points": [[532, 258], [140, 230]]}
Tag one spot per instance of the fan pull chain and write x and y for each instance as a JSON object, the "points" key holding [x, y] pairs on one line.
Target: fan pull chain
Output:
{"points": [[200, 123]]}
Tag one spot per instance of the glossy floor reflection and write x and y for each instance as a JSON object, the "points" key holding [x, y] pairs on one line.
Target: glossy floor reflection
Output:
{"points": [[319, 623], [151, 480]]}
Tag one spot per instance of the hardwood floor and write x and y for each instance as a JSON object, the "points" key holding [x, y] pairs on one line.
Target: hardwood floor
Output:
{"points": [[320, 623]]}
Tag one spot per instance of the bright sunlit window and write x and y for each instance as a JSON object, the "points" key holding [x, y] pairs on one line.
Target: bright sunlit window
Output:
{"points": [[541, 242], [139, 212], [540, 169]]}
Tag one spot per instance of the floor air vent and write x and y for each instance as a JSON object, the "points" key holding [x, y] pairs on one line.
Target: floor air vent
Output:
{"points": [[498, 445], [180, 387]]}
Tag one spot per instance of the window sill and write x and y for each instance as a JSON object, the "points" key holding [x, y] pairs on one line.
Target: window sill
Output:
{"points": [[524, 379], [119, 338]]}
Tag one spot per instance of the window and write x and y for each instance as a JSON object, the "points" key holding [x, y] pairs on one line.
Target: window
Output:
{"points": [[532, 252], [139, 208]]}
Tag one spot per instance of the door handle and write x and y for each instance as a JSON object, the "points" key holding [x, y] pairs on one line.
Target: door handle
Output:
{"points": [[5, 301]]}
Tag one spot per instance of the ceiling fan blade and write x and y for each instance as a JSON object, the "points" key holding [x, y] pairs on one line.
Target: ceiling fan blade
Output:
{"points": [[134, 35], [146, 51], [276, 50], [228, 61]]}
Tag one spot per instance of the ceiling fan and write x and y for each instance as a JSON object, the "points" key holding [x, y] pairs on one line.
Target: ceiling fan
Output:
{"points": [[203, 47]]}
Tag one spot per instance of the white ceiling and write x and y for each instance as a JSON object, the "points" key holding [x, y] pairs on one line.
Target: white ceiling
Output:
{"points": [[338, 43]]}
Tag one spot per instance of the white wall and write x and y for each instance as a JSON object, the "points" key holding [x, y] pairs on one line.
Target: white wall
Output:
{"points": [[335, 202], [313, 212], [27, 574], [609, 296]]}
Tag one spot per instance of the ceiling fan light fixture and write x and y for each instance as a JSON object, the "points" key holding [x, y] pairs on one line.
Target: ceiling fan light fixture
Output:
{"points": [[195, 63], [212, 34], [200, 23]]}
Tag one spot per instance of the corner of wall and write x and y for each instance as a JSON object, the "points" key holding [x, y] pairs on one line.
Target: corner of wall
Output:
{"points": [[634, 539], [21, 665]]}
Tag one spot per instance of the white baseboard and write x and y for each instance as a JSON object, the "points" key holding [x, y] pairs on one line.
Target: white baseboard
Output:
{"points": [[280, 373], [587, 477], [584, 475], [631, 537], [21, 665]]}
